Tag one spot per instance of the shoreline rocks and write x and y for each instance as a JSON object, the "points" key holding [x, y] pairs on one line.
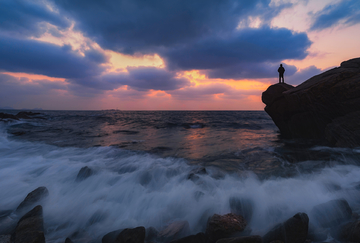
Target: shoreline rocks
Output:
{"points": [[325, 107]]}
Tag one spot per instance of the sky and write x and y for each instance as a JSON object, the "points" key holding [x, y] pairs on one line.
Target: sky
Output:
{"points": [[166, 54]]}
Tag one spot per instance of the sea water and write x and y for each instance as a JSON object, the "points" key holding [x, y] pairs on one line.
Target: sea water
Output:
{"points": [[143, 161]]}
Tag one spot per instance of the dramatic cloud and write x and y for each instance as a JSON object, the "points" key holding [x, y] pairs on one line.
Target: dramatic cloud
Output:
{"points": [[346, 11], [143, 26], [146, 78], [31, 56], [249, 70], [28, 18], [302, 75]]}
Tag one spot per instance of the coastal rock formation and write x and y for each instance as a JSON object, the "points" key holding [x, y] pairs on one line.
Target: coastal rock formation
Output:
{"points": [[325, 107], [293, 230], [224, 226], [33, 197], [84, 173]]}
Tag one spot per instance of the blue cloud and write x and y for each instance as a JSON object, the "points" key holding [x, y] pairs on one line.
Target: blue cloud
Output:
{"points": [[347, 11], [302, 75], [27, 18], [31, 56]]}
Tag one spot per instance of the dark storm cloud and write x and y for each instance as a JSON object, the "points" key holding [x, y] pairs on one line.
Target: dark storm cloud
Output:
{"points": [[144, 26], [246, 70], [146, 78], [347, 11], [27, 18], [31, 56]]}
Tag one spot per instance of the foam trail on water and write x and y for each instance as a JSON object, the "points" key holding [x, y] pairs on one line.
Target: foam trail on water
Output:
{"points": [[132, 189]]}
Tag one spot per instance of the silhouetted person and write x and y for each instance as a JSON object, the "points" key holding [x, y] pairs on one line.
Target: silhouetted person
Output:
{"points": [[281, 71]]}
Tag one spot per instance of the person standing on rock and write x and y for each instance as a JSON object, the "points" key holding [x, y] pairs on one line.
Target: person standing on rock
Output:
{"points": [[281, 71]]}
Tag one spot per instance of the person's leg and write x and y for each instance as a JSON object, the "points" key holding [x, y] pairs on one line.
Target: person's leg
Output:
{"points": [[279, 78]]}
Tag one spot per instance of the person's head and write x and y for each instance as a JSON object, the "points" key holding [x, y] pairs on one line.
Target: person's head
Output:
{"points": [[280, 65]]}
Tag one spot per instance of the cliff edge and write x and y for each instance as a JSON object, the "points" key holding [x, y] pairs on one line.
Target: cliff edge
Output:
{"points": [[325, 107]]}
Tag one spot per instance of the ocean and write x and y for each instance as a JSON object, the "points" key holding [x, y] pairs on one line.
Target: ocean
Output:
{"points": [[155, 167]]}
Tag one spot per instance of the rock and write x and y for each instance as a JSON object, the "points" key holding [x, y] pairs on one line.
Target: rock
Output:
{"points": [[33, 198], [135, 235], [5, 238], [293, 230], [242, 206], [331, 213], [198, 238], [224, 226], [30, 228], [317, 234], [68, 240], [349, 232], [325, 107], [174, 231], [151, 234], [111, 236], [244, 239], [7, 116], [84, 173], [193, 175]]}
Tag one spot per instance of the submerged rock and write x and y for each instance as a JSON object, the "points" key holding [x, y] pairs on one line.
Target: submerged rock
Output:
{"points": [[68, 240], [332, 213], [349, 232], [5, 238], [84, 173], [293, 230], [135, 235], [198, 238], [30, 228], [325, 107], [174, 231], [243, 239], [33, 197], [242, 206], [224, 226]]}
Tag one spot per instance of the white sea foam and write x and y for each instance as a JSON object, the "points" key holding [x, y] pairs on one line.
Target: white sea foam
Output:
{"points": [[132, 189]]}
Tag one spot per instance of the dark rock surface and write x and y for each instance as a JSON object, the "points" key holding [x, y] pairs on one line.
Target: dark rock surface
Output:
{"points": [[68, 240], [84, 173], [349, 232], [33, 197], [242, 206], [198, 238], [111, 236], [174, 231], [151, 234], [332, 213], [5, 238], [244, 239], [224, 226], [325, 107], [293, 230], [30, 228], [7, 116], [135, 235]]}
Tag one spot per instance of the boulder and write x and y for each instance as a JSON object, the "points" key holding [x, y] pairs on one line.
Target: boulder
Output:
{"points": [[111, 236], [174, 231], [68, 240], [32, 198], [224, 226], [7, 116], [349, 232], [198, 238], [84, 173], [135, 235], [325, 107], [331, 213], [243, 239], [151, 234], [293, 230], [30, 228], [5, 238], [242, 206]]}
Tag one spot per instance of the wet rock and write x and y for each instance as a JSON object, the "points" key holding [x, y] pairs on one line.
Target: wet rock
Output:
{"points": [[68, 240], [84, 173], [198, 238], [325, 107], [26, 114], [174, 231], [224, 226], [135, 235], [244, 239], [331, 213], [317, 234], [5, 238], [7, 225], [111, 236], [32, 198], [198, 195], [193, 175], [349, 232], [30, 228], [5, 213], [293, 230], [151, 234], [7, 116], [242, 206]]}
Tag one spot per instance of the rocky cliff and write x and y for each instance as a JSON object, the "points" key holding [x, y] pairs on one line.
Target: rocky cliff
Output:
{"points": [[325, 107]]}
